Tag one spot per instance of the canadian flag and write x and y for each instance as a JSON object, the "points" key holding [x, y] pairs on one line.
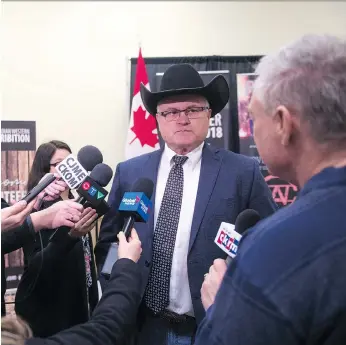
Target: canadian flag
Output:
{"points": [[142, 135]]}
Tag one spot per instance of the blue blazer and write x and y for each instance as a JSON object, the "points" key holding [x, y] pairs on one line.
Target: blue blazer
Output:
{"points": [[229, 183]]}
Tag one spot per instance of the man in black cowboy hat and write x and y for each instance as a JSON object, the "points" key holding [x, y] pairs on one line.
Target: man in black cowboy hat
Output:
{"points": [[196, 188]]}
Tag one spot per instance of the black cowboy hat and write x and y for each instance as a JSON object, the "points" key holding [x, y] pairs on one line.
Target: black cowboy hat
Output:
{"points": [[184, 79]]}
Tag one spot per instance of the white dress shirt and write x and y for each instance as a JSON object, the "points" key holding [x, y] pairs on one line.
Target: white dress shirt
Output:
{"points": [[179, 292]]}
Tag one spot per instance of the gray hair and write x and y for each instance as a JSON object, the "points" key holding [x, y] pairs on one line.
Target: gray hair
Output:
{"points": [[309, 78]]}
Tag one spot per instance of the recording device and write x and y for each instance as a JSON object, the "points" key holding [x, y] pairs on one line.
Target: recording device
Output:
{"points": [[91, 188], [99, 176], [39, 188], [228, 236], [73, 170], [89, 156], [135, 207]]}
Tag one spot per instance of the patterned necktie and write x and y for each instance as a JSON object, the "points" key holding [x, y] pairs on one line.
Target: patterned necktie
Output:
{"points": [[157, 291]]}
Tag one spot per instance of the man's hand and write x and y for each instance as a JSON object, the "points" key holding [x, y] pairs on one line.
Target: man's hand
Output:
{"points": [[14, 216], [212, 281], [131, 248], [62, 213], [85, 224]]}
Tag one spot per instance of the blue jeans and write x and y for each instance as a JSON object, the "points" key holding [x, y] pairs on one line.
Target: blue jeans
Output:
{"points": [[156, 331], [177, 339]]}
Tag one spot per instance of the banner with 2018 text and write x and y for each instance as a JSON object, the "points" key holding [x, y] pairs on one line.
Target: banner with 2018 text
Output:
{"points": [[219, 126], [283, 192], [18, 146]]}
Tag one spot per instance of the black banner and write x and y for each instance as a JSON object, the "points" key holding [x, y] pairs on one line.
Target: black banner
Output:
{"points": [[18, 136]]}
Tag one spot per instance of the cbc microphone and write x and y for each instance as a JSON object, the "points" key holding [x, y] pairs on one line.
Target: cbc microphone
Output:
{"points": [[135, 207], [228, 236]]}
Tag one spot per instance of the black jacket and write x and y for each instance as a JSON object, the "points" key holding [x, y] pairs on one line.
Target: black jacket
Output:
{"points": [[113, 318], [12, 240], [52, 294]]}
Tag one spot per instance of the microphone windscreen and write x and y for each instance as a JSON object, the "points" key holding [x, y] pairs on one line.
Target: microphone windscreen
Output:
{"points": [[143, 185], [102, 174], [246, 219], [89, 156]]}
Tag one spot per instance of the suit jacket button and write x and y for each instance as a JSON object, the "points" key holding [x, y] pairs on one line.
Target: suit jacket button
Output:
{"points": [[147, 263]]}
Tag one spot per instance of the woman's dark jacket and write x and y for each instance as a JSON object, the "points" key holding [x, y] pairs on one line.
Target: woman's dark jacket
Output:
{"points": [[52, 294]]}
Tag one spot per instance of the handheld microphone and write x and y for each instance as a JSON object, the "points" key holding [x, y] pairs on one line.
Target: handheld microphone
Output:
{"points": [[90, 191], [74, 170], [228, 236], [32, 194], [135, 206], [91, 188], [89, 156]]}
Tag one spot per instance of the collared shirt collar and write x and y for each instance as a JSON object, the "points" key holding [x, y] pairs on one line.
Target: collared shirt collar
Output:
{"points": [[194, 156]]}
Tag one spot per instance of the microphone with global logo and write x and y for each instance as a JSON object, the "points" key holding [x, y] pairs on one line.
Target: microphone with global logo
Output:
{"points": [[135, 206]]}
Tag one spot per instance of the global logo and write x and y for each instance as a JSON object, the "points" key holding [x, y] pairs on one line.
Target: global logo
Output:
{"points": [[144, 207], [129, 202]]}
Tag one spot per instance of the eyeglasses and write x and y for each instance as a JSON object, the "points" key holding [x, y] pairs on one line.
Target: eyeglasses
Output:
{"points": [[191, 113], [54, 164]]}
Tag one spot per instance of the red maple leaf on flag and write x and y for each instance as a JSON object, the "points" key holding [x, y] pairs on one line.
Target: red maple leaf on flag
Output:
{"points": [[143, 128]]}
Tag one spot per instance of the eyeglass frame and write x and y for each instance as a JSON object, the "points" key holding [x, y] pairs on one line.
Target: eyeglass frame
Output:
{"points": [[164, 114], [54, 164]]}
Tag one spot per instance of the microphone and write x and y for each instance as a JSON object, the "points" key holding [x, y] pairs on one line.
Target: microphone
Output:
{"points": [[32, 194], [135, 207], [73, 170], [228, 236], [89, 156], [90, 190]]}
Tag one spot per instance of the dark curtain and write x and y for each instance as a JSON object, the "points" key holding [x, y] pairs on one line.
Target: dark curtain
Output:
{"points": [[234, 64]]}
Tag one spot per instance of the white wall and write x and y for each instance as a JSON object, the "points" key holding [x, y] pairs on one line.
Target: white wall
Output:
{"points": [[66, 64]]}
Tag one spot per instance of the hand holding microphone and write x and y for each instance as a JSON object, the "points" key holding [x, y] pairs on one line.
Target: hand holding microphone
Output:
{"points": [[71, 170], [228, 239], [229, 236], [62, 213], [85, 224], [135, 206], [53, 191], [14, 216], [130, 248], [212, 282]]}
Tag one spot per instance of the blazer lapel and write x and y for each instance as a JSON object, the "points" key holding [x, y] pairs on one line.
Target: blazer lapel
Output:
{"points": [[151, 168], [210, 167]]}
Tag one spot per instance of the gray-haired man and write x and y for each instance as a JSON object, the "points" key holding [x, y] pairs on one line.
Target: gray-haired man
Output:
{"points": [[288, 283]]}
